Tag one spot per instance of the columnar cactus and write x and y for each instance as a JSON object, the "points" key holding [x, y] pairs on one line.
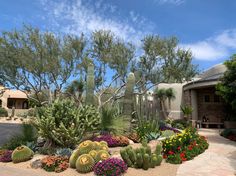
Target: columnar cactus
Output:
{"points": [[128, 102], [90, 85]]}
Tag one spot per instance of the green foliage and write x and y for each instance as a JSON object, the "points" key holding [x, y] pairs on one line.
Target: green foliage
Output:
{"points": [[85, 163], [28, 134], [21, 154], [140, 157], [90, 85], [75, 89], [187, 110], [3, 112], [67, 122], [14, 142], [108, 114], [226, 88], [33, 60], [65, 152], [148, 130], [167, 133], [180, 124]]}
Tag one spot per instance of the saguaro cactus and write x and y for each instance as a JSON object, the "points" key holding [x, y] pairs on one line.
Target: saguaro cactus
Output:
{"points": [[90, 85], [128, 102]]}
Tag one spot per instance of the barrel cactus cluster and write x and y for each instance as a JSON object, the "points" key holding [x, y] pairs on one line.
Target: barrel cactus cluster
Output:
{"points": [[142, 157], [87, 154]]}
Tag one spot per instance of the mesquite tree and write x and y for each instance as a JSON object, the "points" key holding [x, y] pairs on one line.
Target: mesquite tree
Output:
{"points": [[34, 60]]}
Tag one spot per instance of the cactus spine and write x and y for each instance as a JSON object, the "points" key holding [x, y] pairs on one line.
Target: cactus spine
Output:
{"points": [[90, 85]]}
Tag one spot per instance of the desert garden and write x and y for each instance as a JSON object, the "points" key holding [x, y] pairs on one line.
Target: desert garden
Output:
{"points": [[90, 110]]}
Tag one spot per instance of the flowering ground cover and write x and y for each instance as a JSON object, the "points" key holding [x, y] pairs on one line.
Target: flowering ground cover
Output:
{"points": [[184, 146]]}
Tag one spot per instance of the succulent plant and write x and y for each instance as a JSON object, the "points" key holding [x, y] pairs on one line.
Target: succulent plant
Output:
{"points": [[141, 157], [110, 167], [102, 155], [22, 153], [104, 148], [146, 161], [93, 153], [158, 149], [159, 160], [103, 143], [64, 152], [85, 147], [73, 158], [85, 163]]}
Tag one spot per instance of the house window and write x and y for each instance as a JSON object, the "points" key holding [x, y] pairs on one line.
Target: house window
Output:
{"points": [[10, 102], [216, 98], [207, 98], [0, 103]]}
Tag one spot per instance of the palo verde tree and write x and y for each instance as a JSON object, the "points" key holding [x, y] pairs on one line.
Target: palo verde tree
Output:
{"points": [[36, 61]]}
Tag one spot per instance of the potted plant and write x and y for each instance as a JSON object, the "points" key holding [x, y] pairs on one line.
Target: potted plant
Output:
{"points": [[187, 111]]}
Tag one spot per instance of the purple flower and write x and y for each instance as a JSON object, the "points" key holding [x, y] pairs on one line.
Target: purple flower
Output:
{"points": [[6, 157], [110, 167], [109, 139]]}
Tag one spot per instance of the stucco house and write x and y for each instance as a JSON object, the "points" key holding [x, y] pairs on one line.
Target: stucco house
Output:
{"points": [[13, 98], [200, 94]]}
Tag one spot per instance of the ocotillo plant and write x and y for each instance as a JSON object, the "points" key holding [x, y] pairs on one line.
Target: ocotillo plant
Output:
{"points": [[90, 85], [128, 103]]}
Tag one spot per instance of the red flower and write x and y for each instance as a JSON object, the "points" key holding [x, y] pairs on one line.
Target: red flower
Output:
{"points": [[164, 156], [171, 152], [179, 148]]}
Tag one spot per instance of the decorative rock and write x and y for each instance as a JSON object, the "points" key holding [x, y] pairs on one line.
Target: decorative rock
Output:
{"points": [[36, 164]]}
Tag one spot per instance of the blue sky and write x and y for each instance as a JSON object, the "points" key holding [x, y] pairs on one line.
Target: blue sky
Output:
{"points": [[207, 27]]}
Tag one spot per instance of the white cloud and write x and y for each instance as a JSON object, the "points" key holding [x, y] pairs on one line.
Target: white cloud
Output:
{"points": [[175, 2], [213, 48], [86, 16]]}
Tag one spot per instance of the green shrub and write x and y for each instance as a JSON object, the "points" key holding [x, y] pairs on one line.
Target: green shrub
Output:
{"points": [[180, 124], [14, 142], [3, 112], [108, 114], [29, 133]]}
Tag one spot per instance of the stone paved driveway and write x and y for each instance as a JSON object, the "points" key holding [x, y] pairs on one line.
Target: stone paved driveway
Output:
{"points": [[218, 160]]}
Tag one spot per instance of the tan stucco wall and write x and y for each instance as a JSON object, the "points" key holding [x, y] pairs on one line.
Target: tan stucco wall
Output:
{"points": [[21, 96], [174, 111]]}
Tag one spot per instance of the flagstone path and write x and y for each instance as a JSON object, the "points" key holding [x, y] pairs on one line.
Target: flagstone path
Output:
{"points": [[218, 160]]}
